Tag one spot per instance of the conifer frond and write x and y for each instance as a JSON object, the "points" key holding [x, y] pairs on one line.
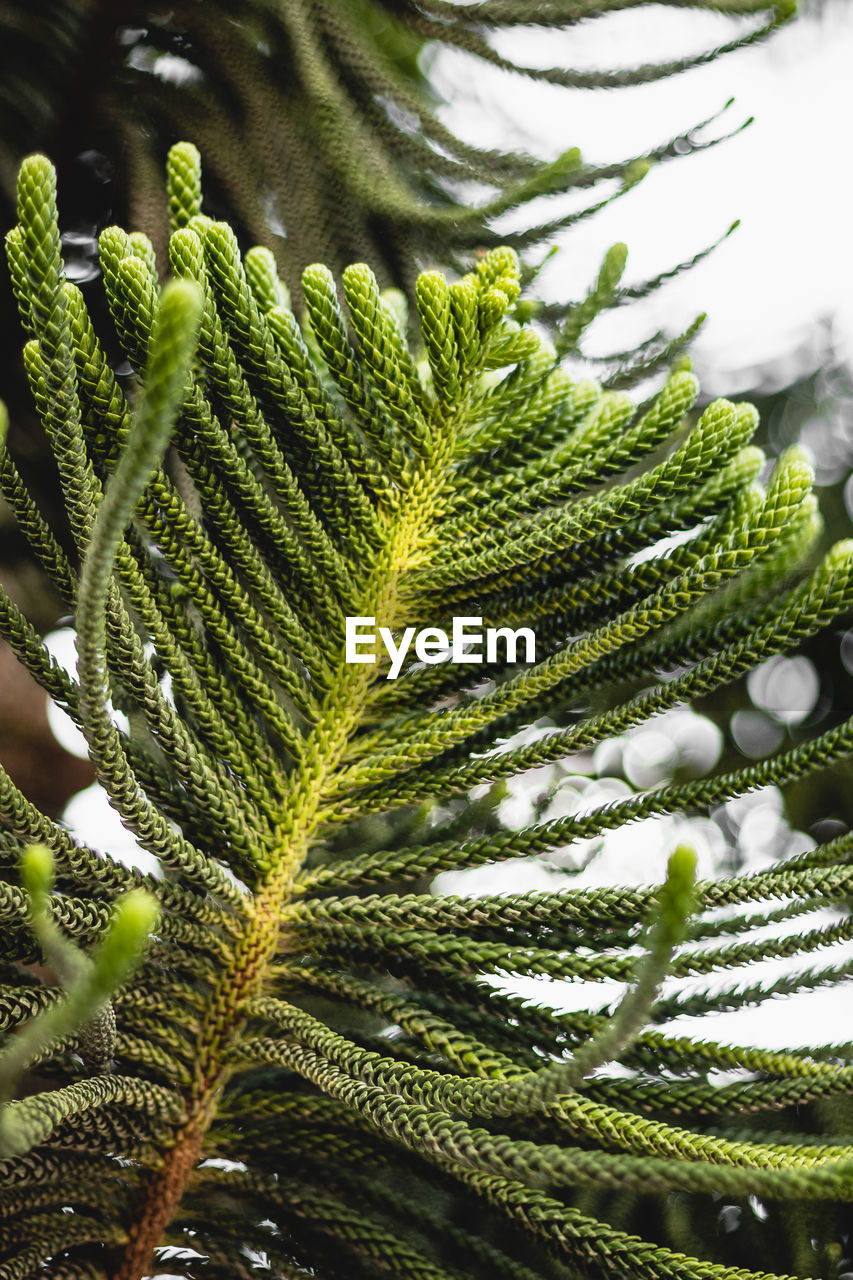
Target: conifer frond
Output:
{"points": [[316, 1055]]}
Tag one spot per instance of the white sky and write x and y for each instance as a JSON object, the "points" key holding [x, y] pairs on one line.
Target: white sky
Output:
{"points": [[787, 177]]}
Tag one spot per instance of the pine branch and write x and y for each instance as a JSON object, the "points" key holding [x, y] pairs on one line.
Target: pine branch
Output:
{"points": [[295, 1010]]}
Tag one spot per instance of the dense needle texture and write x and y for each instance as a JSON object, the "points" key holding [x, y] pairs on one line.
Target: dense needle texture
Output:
{"points": [[314, 1069]]}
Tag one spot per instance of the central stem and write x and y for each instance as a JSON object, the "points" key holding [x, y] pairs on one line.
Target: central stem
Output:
{"points": [[258, 941]]}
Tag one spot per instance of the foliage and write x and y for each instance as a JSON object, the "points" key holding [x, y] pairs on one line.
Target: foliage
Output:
{"points": [[315, 1069], [359, 163], [323, 140]]}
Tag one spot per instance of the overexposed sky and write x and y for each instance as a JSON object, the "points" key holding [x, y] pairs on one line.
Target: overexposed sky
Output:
{"points": [[787, 177]]}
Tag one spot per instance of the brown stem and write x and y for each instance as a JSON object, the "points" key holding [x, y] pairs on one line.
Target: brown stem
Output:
{"points": [[162, 1197]]}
